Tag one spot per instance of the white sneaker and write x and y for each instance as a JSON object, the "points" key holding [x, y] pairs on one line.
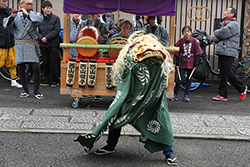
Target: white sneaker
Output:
{"points": [[15, 84]]}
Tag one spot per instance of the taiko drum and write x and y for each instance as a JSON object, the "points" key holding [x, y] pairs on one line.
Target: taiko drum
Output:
{"points": [[88, 35]]}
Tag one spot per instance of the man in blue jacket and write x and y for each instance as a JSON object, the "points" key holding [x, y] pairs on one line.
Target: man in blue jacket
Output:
{"points": [[49, 40], [227, 38]]}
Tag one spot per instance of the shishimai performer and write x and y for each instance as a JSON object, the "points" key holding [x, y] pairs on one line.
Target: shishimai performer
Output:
{"points": [[140, 98]]}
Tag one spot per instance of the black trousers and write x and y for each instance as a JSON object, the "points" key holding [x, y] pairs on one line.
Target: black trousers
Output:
{"points": [[51, 63], [24, 79], [114, 135], [113, 138], [226, 73]]}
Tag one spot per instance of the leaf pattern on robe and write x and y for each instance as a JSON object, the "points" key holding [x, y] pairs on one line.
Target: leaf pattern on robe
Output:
{"points": [[117, 96], [149, 98], [143, 75], [161, 89], [138, 98]]}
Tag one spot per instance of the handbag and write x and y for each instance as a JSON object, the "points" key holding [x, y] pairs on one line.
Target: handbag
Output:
{"points": [[201, 71]]}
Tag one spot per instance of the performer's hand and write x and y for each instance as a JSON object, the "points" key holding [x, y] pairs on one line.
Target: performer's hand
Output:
{"points": [[14, 13], [24, 11], [177, 67], [194, 67]]}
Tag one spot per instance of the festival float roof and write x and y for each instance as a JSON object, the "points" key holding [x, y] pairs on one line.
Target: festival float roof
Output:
{"points": [[140, 7]]}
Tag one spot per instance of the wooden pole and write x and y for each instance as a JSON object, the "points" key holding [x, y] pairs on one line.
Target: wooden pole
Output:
{"points": [[104, 46], [170, 88], [66, 37]]}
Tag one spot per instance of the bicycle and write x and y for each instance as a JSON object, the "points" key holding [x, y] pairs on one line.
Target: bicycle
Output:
{"points": [[241, 65], [4, 71]]}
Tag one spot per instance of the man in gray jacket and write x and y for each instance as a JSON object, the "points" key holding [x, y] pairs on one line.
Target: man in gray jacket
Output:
{"points": [[76, 23], [154, 26], [227, 38], [24, 22]]}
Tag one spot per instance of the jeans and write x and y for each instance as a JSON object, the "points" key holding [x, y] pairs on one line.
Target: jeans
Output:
{"points": [[178, 82]]}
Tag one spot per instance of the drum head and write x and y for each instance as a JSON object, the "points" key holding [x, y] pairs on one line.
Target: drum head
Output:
{"points": [[87, 52], [116, 41], [88, 35]]}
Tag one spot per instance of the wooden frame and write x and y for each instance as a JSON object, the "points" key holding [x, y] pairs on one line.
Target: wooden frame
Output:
{"points": [[100, 87]]}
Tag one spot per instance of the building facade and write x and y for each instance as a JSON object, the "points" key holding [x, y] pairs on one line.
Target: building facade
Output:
{"points": [[199, 14]]}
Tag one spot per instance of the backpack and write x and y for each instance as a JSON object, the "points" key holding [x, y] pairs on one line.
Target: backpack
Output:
{"points": [[202, 70]]}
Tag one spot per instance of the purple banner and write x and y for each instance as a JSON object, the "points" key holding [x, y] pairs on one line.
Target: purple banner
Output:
{"points": [[140, 7]]}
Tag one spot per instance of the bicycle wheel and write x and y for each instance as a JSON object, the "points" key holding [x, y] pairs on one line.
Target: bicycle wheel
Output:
{"points": [[4, 72], [196, 83], [243, 74]]}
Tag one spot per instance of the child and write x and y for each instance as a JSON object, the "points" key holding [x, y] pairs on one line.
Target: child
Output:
{"points": [[188, 58]]}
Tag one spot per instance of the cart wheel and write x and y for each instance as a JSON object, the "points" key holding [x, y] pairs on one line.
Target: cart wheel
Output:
{"points": [[76, 101]]}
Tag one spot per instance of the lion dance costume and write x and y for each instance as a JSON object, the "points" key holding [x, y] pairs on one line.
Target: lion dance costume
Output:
{"points": [[140, 97]]}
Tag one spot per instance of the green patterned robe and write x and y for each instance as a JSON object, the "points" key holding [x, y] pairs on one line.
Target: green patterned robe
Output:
{"points": [[140, 101]]}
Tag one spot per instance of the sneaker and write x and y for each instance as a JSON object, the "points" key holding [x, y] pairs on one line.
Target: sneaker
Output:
{"points": [[171, 160], [15, 84], [244, 94], [104, 151], [175, 98], [39, 96], [24, 94], [45, 83], [97, 99], [186, 99], [219, 98]]}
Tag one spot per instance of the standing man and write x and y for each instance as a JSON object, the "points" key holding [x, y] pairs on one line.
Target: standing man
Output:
{"points": [[25, 22], [7, 45], [158, 30], [227, 38], [48, 35], [76, 23], [101, 26], [112, 29]]}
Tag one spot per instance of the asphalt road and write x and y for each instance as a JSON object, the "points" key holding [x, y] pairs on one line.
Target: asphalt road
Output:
{"points": [[54, 150]]}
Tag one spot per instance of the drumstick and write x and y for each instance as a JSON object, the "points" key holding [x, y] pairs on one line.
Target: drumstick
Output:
{"points": [[179, 74], [191, 73]]}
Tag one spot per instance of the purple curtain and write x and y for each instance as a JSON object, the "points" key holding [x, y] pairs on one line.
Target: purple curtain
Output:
{"points": [[141, 7]]}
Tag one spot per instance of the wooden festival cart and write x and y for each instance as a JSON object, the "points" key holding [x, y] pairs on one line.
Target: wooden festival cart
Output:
{"points": [[99, 6]]}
